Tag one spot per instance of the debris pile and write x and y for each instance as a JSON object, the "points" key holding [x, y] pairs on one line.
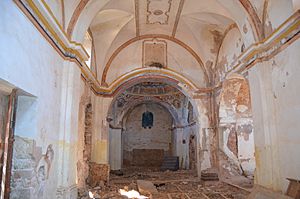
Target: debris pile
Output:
{"points": [[162, 185]]}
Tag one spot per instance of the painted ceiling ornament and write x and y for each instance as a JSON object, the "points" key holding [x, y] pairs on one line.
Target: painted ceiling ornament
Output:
{"points": [[158, 11], [155, 53]]}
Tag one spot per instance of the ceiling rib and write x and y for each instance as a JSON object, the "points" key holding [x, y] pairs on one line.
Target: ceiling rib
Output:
{"points": [[180, 7], [137, 17]]}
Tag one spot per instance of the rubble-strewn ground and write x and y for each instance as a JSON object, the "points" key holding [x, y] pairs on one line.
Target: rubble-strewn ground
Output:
{"points": [[170, 185]]}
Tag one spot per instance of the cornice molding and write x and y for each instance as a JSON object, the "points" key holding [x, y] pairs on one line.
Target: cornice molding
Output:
{"points": [[41, 16], [281, 38], [44, 16], [147, 73]]}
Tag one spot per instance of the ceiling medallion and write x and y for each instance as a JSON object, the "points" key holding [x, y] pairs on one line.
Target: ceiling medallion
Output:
{"points": [[158, 12]]}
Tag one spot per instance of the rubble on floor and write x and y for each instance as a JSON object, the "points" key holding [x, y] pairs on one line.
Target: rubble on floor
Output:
{"points": [[263, 193], [164, 185], [146, 187]]}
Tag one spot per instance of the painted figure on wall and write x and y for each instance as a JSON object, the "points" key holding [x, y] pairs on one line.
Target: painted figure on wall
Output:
{"points": [[42, 170]]}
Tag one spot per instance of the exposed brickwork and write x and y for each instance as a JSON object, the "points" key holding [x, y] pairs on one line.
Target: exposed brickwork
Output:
{"points": [[87, 153], [83, 164], [30, 169], [98, 173]]}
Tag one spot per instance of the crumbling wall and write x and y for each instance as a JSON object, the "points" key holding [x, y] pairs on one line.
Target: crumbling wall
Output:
{"points": [[98, 174], [85, 151], [236, 126], [85, 135], [231, 47], [276, 12], [31, 168]]}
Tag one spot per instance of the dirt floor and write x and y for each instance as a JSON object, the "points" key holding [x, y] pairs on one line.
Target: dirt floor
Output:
{"points": [[169, 184]]}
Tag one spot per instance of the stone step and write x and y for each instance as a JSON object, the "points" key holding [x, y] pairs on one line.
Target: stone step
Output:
{"points": [[209, 176], [170, 163]]}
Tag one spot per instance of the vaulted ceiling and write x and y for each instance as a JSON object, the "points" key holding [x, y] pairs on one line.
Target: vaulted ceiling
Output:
{"points": [[193, 31]]}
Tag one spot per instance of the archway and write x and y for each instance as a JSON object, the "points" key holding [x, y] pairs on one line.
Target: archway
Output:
{"points": [[173, 112]]}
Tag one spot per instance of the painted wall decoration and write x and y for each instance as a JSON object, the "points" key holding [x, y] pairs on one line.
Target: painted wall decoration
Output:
{"points": [[31, 169], [158, 11], [155, 53]]}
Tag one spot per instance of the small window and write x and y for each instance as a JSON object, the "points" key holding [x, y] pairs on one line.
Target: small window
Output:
{"points": [[147, 120]]}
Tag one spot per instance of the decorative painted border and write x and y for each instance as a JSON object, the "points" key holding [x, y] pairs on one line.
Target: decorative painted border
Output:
{"points": [[281, 38], [166, 22], [147, 72]]}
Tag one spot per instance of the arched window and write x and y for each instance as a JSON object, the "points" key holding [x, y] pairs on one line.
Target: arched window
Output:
{"points": [[147, 120]]}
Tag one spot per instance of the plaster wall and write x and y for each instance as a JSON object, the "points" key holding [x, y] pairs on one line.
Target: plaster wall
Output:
{"points": [[178, 59], [276, 13], [40, 71], [100, 142], [56, 8], [230, 49], [296, 5], [276, 109], [115, 149], [70, 6]]}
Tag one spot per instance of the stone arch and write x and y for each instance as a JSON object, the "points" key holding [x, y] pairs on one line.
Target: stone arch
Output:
{"points": [[160, 36], [117, 118], [170, 108]]}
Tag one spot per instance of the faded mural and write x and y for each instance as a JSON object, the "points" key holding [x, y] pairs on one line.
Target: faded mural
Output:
{"points": [[30, 169]]}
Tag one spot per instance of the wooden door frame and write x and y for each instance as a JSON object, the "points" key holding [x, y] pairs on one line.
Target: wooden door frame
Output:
{"points": [[8, 145]]}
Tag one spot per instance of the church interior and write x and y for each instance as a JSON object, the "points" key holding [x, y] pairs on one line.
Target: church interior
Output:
{"points": [[160, 99]]}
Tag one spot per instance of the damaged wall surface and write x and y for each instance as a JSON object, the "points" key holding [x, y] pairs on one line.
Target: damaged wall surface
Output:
{"points": [[236, 125], [223, 90], [154, 142], [274, 85]]}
